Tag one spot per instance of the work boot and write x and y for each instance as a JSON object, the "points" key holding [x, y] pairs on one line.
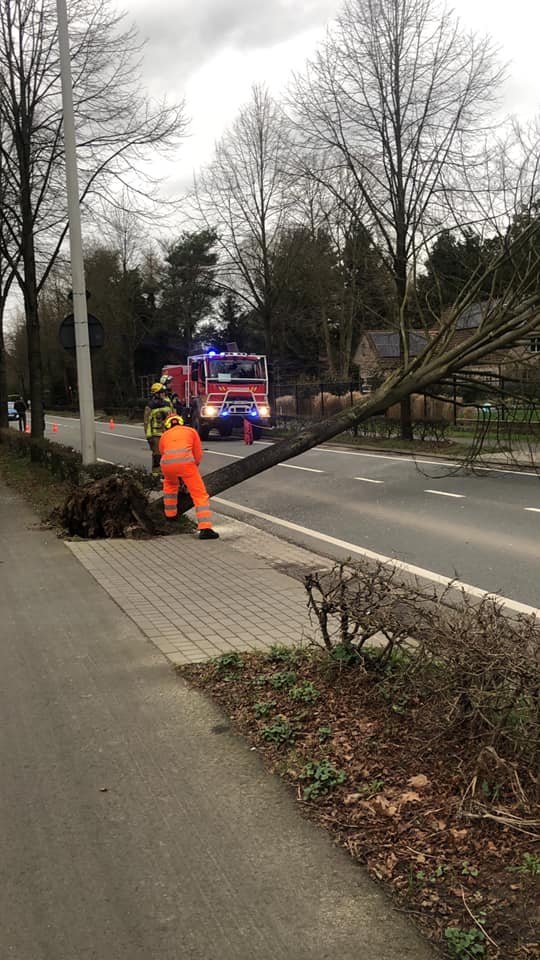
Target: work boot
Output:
{"points": [[208, 535]]}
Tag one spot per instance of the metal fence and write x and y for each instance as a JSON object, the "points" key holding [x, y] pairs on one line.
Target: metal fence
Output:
{"points": [[456, 401]]}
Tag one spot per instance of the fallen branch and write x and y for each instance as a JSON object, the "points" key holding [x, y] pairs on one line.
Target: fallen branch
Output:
{"points": [[477, 921]]}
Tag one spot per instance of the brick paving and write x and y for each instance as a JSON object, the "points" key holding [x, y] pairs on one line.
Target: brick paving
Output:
{"points": [[196, 600]]}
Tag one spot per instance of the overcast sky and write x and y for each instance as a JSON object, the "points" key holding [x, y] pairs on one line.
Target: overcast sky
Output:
{"points": [[210, 52]]}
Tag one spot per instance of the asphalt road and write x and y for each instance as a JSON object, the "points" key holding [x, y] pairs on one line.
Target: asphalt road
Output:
{"points": [[484, 529]]}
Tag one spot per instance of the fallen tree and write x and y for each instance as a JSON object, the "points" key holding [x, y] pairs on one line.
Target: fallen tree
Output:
{"points": [[507, 321]]}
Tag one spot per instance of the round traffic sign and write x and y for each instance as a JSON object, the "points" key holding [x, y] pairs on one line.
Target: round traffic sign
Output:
{"points": [[96, 333]]}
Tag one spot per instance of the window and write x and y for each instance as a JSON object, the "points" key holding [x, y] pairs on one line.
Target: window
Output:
{"points": [[534, 345], [229, 368]]}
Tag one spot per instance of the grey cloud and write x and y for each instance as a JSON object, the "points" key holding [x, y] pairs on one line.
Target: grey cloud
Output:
{"points": [[183, 35]]}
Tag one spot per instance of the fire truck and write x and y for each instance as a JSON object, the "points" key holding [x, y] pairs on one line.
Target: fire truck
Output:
{"points": [[221, 390]]}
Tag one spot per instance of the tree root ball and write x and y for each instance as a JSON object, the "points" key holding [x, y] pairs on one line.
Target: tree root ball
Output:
{"points": [[115, 506]]}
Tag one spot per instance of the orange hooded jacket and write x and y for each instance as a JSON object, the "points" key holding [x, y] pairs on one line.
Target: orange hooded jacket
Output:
{"points": [[180, 445]]}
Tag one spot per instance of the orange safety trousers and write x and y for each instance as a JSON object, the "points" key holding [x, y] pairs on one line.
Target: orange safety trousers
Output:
{"points": [[189, 474]]}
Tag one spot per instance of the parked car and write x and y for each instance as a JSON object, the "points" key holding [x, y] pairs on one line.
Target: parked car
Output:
{"points": [[12, 413]]}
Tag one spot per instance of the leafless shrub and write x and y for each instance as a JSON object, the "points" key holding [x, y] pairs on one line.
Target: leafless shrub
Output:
{"points": [[478, 664]]}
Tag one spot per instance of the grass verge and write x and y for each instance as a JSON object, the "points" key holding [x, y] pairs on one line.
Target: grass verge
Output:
{"points": [[34, 482], [46, 493], [388, 784]]}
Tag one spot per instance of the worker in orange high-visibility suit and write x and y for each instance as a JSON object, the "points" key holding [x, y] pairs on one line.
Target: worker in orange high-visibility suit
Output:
{"points": [[181, 454]]}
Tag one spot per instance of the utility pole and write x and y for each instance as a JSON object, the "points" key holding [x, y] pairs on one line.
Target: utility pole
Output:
{"points": [[80, 313]]}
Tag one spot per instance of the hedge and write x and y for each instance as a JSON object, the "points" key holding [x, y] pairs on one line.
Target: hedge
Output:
{"points": [[65, 463]]}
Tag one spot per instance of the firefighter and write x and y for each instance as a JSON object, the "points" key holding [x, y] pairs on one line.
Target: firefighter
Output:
{"points": [[173, 398], [181, 454], [156, 411]]}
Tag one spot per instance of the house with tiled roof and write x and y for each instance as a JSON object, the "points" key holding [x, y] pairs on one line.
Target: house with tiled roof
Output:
{"points": [[378, 351]]}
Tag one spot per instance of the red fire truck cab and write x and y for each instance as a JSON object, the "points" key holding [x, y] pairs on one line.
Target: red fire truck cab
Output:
{"points": [[221, 390]]}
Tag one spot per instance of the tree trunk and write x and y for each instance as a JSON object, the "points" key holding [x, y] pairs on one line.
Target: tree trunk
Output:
{"points": [[389, 393], [32, 312], [500, 333], [405, 416], [4, 422], [400, 272], [34, 353]]}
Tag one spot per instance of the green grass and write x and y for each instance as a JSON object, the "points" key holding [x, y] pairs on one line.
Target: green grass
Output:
{"points": [[34, 482], [45, 493]]}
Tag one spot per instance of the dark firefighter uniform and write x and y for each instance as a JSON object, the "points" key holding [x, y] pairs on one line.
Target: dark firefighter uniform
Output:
{"points": [[156, 412]]}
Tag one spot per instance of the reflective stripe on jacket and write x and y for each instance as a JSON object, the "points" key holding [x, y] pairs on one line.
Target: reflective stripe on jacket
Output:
{"points": [[154, 418], [180, 445]]}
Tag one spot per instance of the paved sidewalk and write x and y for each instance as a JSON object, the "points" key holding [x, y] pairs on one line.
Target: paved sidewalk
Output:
{"points": [[242, 592], [135, 825]]}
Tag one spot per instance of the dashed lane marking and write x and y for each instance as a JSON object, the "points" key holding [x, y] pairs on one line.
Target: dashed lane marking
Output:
{"points": [[368, 480], [410, 568], [236, 456], [293, 466], [444, 493], [220, 453], [348, 453]]}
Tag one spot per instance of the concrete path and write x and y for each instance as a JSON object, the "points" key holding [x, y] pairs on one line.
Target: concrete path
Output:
{"points": [[134, 824], [242, 592]]}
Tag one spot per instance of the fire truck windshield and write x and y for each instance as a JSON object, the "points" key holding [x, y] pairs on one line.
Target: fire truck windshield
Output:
{"points": [[235, 368]]}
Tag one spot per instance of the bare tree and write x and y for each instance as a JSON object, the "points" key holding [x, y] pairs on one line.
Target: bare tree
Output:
{"points": [[116, 126], [508, 321], [243, 195], [7, 274], [398, 96]]}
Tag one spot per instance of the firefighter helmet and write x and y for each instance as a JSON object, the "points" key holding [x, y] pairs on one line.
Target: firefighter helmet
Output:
{"points": [[156, 388], [173, 420], [165, 379]]}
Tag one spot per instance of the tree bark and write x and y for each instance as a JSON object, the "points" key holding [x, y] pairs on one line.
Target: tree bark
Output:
{"points": [[389, 393], [4, 422], [435, 363], [32, 314]]}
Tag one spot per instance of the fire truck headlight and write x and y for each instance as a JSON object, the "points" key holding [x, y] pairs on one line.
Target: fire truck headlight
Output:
{"points": [[264, 411], [209, 411]]}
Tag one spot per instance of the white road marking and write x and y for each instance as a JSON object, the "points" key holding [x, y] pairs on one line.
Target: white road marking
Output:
{"points": [[121, 436], [391, 561], [435, 463], [236, 456], [349, 453], [293, 466], [101, 460], [533, 509], [384, 456], [219, 453], [367, 480], [443, 493]]}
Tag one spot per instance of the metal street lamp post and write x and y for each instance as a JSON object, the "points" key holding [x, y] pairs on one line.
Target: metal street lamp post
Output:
{"points": [[82, 343]]}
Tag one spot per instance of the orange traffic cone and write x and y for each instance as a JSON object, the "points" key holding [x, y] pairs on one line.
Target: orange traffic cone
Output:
{"points": [[111, 424], [55, 428], [248, 431]]}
